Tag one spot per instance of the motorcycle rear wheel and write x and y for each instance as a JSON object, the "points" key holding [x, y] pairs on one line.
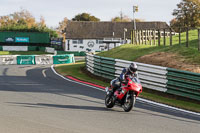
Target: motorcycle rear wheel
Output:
{"points": [[128, 105], [109, 101]]}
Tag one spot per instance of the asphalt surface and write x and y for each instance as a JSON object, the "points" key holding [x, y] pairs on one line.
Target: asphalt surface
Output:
{"points": [[33, 99]]}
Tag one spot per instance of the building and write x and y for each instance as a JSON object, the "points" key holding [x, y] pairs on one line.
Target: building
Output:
{"points": [[102, 36]]}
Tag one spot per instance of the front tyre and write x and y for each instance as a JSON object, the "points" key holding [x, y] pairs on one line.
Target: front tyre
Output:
{"points": [[129, 103], [109, 101]]}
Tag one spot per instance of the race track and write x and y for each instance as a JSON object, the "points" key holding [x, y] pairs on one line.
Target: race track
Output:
{"points": [[33, 99]]}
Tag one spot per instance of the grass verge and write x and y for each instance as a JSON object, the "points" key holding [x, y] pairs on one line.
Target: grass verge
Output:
{"points": [[22, 52], [76, 70]]}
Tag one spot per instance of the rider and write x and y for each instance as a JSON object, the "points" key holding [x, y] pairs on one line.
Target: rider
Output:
{"points": [[130, 71]]}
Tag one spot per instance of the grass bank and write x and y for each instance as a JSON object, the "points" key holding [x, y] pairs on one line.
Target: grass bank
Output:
{"points": [[76, 70], [132, 52]]}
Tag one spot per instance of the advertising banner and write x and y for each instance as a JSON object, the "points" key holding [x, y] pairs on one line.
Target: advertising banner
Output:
{"points": [[49, 50], [10, 39], [63, 59], [21, 39], [26, 60], [15, 48], [44, 59], [9, 59]]}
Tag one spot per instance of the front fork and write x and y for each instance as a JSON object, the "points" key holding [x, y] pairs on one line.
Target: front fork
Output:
{"points": [[129, 94], [107, 90]]}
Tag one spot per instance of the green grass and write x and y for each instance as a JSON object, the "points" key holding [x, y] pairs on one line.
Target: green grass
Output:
{"points": [[22, 52], [132, 52], [75, 70]]}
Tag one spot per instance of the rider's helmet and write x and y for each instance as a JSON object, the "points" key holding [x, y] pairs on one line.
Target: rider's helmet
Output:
{"points": [[132, 68]]}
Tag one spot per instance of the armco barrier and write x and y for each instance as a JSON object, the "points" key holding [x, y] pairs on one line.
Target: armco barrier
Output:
{"points": [[183, 83], [172, 81], [36, 59], [104, 67], [151, 76]]}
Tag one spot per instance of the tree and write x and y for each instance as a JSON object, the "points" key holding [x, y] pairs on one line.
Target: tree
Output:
{"points": [[123, 18], [24, 21], [85, 17], [175, 25], [63, 24], [187, 14]]}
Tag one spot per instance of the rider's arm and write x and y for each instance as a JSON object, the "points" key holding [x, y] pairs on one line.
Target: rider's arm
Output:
{"points": [[122, 75], [136, 74]]}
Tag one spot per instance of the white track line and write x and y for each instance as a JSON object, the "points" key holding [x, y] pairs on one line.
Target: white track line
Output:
{"points": [[43, 72], [138, 98]]}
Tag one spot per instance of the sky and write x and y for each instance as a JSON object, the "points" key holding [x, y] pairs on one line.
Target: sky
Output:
{"points": [[54, 11]]}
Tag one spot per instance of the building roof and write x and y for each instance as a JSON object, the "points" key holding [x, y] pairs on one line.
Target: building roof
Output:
{"points": [[99, 30]]}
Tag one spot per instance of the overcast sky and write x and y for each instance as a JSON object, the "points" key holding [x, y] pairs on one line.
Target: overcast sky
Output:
{"points": [[54, 11]]}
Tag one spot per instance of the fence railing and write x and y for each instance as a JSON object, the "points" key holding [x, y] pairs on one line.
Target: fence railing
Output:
{"points": [[168, 80], [165, 36]]}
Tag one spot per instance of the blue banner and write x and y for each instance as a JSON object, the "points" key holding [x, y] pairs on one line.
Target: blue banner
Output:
{"points": [[21, 39]]}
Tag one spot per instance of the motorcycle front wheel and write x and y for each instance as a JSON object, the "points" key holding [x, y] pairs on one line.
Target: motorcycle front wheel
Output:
{"points": [[109, 101], [129, 103]]}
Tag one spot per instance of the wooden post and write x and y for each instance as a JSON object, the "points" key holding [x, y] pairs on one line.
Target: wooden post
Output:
{"points": [[142, 37], [139, 37], [199, 38], [158, 37], [146, 36], [179, 36], [135, 37], [131, 38], [132, 35], [170, 37], [187, 37], [150, 37], [154, 37], [164, 38]]}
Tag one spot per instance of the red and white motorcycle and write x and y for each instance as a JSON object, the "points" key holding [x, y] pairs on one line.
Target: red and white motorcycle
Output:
{"points": [[126, 97]]}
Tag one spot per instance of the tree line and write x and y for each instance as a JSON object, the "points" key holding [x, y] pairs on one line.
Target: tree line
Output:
{"points": [[24, 21], [187, 14]]}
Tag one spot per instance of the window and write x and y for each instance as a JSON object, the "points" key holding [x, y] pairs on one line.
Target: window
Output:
{"points": [[99, 41], [74, 41], [79, 41]]}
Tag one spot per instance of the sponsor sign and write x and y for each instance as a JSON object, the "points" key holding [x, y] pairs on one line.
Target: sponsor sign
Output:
{"points": [[26, 60], [21, 39], [44, 59], [10, 39], [90, 44], [63, 59], [11, 59], [56, 42]]}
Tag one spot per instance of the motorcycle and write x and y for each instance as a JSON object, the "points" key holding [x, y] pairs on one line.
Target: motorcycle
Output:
{"points": [[125, 97]]}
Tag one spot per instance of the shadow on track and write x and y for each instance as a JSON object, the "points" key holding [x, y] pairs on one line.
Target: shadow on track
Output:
{"points": [[35, 82]]}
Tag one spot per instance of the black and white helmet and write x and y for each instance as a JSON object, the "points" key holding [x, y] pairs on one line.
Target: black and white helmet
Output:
{"points": [[132, 68]]}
